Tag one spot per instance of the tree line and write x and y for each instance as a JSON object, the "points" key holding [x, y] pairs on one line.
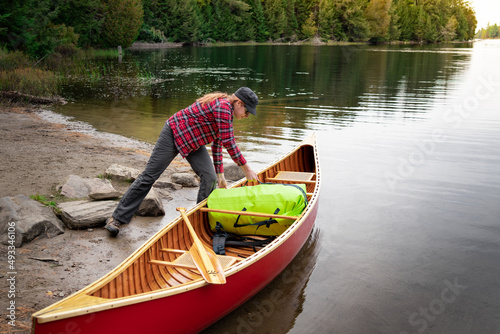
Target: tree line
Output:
{"points": [[38, 27], [491, 31]]}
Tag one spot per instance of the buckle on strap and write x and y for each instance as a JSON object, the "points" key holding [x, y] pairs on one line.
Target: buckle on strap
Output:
{"points": [[219, 239]]}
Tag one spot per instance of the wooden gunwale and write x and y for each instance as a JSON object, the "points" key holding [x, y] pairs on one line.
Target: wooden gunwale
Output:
{"points": [[93, 298]]}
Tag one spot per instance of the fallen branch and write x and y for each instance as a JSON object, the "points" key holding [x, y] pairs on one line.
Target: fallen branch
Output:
{"points": [[14, 96]]}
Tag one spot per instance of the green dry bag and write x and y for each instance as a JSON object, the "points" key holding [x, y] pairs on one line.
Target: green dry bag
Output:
{"points": [[280, 199]]}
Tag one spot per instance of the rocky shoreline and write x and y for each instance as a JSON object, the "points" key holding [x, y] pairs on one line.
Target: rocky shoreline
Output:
{"points": [[55, 162]]}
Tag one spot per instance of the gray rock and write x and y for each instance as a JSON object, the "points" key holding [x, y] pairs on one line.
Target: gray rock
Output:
{"points": [[86, 214], [100, 189], [179, 169], [151, 205], [23, 219], [122, 173], [97, 189], [75, 187], [185, 179], [164, 194], [233, 172], [164, 183]]}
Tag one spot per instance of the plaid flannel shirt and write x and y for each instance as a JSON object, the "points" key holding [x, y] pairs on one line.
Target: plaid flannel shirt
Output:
{"points": [[199, 125]]}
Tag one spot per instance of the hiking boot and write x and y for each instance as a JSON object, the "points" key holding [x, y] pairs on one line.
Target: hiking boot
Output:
{"points": [[113, 226]]}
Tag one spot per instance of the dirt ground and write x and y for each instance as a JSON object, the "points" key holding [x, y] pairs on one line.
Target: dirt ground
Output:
{"points": [[36, 156]]}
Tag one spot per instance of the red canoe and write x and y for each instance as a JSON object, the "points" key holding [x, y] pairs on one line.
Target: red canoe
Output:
{"points": [[165, 286]]}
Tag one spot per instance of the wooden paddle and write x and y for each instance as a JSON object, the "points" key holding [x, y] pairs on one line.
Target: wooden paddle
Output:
{"points": [[204, 257]]}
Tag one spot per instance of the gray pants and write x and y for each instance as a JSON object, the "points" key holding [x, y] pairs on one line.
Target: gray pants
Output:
{"points": [[163, 154]]}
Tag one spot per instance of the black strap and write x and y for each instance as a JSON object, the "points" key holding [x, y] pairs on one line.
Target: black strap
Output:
{"points": [[219, 240], [266, 222], [223, 238]]}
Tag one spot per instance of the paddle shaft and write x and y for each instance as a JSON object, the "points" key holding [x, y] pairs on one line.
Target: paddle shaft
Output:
{"points": [[214, 274]]}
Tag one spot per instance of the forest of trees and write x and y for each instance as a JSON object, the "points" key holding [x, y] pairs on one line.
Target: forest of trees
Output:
{"points": [[491, 31], [37, 27]]}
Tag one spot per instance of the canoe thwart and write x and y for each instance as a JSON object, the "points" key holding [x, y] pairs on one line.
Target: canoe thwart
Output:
{"points": [[292, 177], [272, 179], [172, 250], [296, 176]]}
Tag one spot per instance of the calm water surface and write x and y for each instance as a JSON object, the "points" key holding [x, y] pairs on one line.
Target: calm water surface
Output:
{"points": [[407, 238]]}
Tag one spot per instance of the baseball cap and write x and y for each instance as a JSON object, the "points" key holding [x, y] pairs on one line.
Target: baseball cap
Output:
{"points": [[248, 97]]}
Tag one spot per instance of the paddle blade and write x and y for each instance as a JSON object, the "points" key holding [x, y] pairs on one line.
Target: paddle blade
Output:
{"points": [[212, 271]]}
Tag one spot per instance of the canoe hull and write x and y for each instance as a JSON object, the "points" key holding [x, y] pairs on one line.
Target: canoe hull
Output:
{"points": [[194, 310]]}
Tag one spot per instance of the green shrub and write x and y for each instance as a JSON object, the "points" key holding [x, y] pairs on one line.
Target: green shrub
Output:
{"points": [[152, 35], [12, 60], [122, 21]]}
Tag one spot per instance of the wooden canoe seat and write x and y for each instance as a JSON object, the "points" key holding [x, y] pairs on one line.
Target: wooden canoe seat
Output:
{"points": [[186, 261], [296, 177]]}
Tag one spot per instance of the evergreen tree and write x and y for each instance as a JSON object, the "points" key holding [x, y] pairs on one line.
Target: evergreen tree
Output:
{"points": [[379, 19], [394, 31], [292, 26], [122, 22], [350, 13], [261, 33], [241, 13], [226, 24], [406, 13], [84, 16], [329, 25], [185, 21], [470, 16], [276, 18], [303, 9], [449, 31], [309, 28]]}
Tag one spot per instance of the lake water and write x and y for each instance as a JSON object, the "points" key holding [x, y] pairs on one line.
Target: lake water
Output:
{"points": [[407, 238]]}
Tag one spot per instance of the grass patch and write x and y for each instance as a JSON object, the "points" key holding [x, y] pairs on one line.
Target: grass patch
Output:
{"points": [[31, 81], [42, 199], [18, 74], [106, 53]]}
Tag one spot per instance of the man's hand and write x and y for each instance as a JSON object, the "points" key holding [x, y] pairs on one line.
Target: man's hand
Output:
{"points": [[221, 181]]}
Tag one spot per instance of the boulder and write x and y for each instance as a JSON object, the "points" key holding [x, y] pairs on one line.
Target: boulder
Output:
{"points": [[100, 189], [185, 179], [233, 172], [97, 189], [86, 214], [75, 187], [23, 219], [151, 205], [164, 183], [122, 173]]}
